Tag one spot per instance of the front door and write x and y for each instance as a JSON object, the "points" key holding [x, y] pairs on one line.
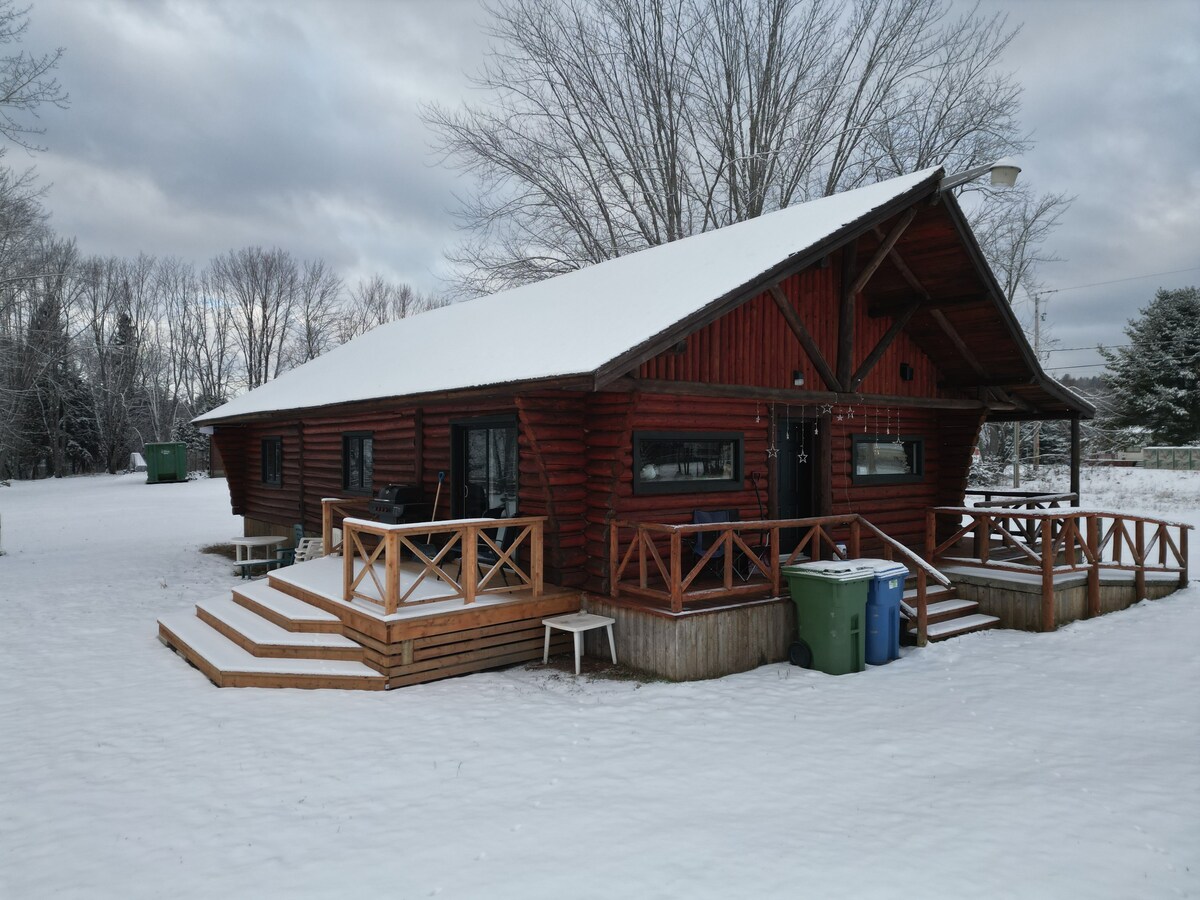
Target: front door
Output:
{"points": [[797, 463], [485, 468]]}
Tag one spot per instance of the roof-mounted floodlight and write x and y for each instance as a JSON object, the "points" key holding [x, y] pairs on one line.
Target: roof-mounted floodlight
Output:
{"points": [[1003, 171]]}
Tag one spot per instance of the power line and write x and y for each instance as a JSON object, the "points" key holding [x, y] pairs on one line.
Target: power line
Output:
{"points": [[1097, 347], [1077, 287]]}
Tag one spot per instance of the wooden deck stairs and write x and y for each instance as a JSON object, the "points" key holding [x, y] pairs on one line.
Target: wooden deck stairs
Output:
{"points": [[263, 637], [290, 630], [949, 615]]}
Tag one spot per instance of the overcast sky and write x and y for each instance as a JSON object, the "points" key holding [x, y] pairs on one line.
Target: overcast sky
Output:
{"points": [[199, 126]]}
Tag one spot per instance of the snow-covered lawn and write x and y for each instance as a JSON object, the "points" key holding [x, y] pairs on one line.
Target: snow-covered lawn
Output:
{"points": [[1001, 764]]}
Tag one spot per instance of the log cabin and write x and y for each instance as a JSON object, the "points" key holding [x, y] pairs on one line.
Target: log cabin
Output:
{"points": [[662, 432]]}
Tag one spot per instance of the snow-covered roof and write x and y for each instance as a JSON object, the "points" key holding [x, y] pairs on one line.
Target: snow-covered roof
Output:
{"points": [[569, 325]]}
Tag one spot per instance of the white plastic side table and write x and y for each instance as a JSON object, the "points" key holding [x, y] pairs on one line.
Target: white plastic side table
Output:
{"points": [[577, 624]]}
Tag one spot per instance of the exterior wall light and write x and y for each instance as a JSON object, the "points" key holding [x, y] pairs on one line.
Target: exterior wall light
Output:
{"points": [[1003, 171]]}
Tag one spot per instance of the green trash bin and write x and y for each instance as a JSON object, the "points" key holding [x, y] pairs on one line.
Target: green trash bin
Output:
{"points": [[831, 614], [166, 463]]}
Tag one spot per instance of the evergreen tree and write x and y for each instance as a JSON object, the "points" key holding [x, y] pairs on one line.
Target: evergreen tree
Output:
{"points": [[1155, 381]]}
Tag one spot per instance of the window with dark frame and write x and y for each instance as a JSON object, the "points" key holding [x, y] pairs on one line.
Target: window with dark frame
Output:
{"points": [[887, 459], [358, 461], [272, 461], [484, 465], [683, 462]]}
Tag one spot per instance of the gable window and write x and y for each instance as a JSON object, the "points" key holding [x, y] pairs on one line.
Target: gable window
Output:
{"points": [[358, 461], [272, 460], [682, 462], [887, 459]]}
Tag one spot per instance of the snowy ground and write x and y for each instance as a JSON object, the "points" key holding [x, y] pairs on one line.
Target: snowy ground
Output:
{"points": [[1001, 764]]}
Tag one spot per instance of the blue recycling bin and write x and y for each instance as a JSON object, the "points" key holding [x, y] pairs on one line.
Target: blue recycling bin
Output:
{"points": [[884, 593]]}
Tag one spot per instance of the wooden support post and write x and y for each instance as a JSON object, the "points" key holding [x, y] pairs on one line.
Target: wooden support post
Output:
{"points": [[347, 563], [642, 537], [327, 528], [676, 572], [726, 537], [1048, 623], [1139, 550], [535, 557], [1093, 542], [930, 534], [1183, 575], [922, 609], [984, 548], [855, 545], [391, 568], [1075, 459], [470, 562], [775, 572]]}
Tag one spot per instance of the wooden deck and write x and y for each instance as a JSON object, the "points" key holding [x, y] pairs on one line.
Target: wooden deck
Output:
{"points": [[295, 630]]}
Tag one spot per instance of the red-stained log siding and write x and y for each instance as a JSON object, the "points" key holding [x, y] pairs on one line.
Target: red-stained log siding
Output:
{"points": [[753, 345]]}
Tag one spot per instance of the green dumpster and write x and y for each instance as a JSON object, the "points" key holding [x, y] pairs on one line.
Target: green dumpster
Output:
{"points": [[166, 463], [831, 614]]}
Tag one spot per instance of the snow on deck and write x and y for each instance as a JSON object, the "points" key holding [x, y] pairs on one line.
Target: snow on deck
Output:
{"points": [[324, 576], [569, 325]]}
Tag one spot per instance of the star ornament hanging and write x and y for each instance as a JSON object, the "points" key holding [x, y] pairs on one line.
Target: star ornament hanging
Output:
{"points": [[772, 452], [801, 457], [826, 408]]}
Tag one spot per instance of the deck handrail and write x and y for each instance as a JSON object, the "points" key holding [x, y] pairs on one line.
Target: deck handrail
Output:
{"points": [[658, 550], [333, 511], [1091, 540], [1032, 501], [458, 539]]}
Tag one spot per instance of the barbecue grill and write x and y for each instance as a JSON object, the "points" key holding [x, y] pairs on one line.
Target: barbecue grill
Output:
{"points": [[391, 502]]}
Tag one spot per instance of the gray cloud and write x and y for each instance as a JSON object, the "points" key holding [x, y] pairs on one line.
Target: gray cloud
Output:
{"points": [[196, 127]]}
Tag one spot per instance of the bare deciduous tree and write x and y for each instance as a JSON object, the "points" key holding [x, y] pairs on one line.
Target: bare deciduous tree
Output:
{"points": [[613, 125], [320, 311], [27, 81], [261, 289], [376, 300]]}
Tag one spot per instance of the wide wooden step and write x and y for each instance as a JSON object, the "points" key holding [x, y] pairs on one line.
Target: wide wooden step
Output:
{"points": [[932, 592], [286, 611], [228, 665], [953, 608], [961, 625], [261, 637]]}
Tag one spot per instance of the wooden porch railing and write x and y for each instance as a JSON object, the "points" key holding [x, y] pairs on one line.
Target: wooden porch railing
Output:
{"points": [[1049, 543], [333, 511], [1023, 499], [432, 546], [750, 551]]}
